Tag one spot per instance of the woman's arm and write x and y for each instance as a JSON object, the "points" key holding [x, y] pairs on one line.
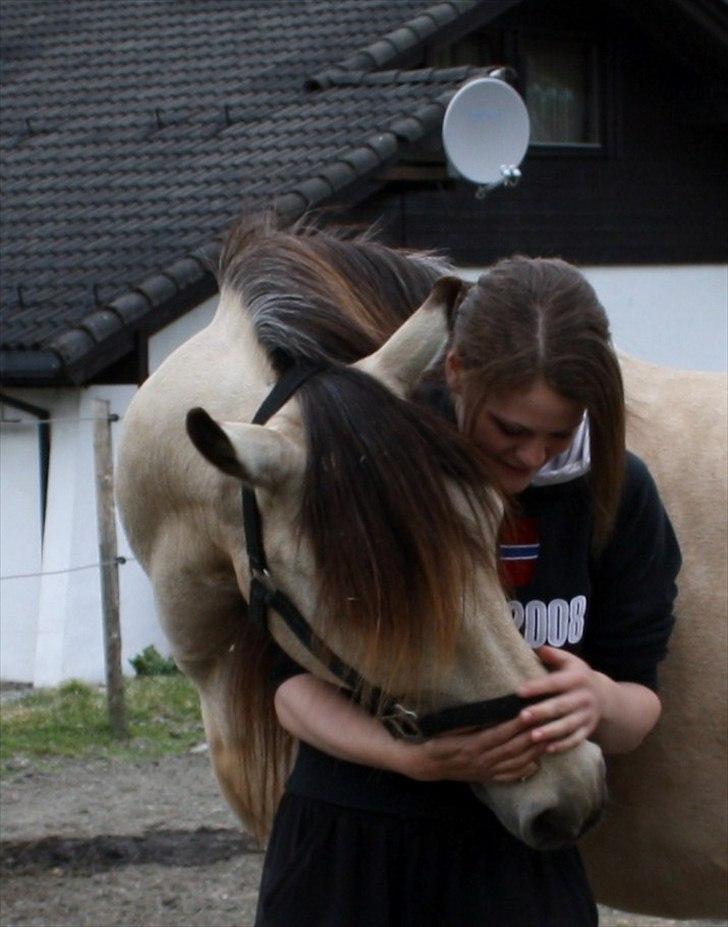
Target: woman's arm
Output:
{"points": [[316, 712], [629, 714], [584, 702], [609, 696], [319, 714]]}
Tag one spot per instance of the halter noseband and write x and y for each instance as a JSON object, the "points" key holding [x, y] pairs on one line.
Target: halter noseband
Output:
{"points": [[399, 720]]}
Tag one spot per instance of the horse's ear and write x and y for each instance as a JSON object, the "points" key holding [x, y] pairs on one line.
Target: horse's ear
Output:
{"points": [[252, 453], [402, 359]]}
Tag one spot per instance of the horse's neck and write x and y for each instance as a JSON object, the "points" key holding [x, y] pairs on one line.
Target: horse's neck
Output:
{"points": [[232, 352], [223, 369]]}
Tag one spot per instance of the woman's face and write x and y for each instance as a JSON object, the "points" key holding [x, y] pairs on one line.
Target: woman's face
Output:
{"points": [[519, 431]]}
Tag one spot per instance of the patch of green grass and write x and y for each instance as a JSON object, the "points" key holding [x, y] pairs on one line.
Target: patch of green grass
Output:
{"points": [[163, 717], [150, 662]]}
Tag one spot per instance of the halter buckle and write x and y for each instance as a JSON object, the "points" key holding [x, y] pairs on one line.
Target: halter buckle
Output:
{"points": [[263, 577], [262, 591], [403, 723]]}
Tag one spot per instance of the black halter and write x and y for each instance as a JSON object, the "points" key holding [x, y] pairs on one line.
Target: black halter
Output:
{"points": [[400, 721]]}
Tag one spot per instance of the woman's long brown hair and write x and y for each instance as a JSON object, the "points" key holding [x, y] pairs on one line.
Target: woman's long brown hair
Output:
{"points": [[531, 318]]}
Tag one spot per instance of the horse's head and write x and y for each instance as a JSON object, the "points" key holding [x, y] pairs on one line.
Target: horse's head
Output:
{"points": [[379, 527]]}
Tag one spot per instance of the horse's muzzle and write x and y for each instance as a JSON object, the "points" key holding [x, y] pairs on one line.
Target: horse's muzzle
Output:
{"points": [[556, 806]]}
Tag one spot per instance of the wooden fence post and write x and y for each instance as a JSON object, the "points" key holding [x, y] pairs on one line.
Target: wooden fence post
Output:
{"points": [[104, 468]]}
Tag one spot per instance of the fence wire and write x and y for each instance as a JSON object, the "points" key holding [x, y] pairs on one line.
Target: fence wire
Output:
{"points": [[22, 423], [89, 566]]}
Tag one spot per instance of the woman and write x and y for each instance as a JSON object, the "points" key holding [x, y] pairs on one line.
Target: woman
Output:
{"points": [[376, 831]]}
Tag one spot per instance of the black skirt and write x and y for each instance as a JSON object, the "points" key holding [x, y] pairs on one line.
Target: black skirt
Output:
{"points": [[330, 866]]}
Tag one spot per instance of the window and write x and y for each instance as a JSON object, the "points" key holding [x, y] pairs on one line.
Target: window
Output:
{"points": [[560, 77]]}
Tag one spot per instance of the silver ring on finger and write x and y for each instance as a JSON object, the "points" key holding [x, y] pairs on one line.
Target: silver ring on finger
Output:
{"points": [[536, 768]]}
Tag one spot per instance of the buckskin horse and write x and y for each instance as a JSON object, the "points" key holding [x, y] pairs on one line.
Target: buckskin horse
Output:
{"points": [[416, 622], [661, 848]]}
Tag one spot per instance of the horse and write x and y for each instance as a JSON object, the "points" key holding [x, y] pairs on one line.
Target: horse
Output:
{"points": [[377, 518], [661, 847], [353, 304]]}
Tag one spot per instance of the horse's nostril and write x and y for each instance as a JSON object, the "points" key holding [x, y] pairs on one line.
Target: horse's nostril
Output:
{"points": [[554, 827]]}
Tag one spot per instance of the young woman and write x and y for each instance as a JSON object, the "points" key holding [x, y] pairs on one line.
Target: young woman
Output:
{"points": [[374, 831]]}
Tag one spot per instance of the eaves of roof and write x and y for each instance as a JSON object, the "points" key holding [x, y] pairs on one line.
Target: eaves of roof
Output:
{"points": [[369, 80], [444, 22], [108, 332]]}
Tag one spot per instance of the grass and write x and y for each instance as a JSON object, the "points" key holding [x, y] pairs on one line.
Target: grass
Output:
{"points": [[163, 717]]}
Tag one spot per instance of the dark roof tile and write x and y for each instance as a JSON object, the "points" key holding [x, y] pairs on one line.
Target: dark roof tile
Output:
{"points": [[291, 204], [314, 190], [362, 160], [100, 324], [409, 128], [339, 175], [443, 13], [403, 39], [184, 272], [381, 52], [158, 288], [207, 255], [72, 344], [131, 307], [132, 131], [423, 26]]}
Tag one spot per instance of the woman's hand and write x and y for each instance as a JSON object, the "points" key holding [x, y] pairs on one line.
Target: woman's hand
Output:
{"points": [[316, 712], [575, 702], [583, 702], [572, 710], [505, 753]]}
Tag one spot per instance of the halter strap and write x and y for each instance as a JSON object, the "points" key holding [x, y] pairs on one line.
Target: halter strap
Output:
{"points": [[399, 720], [294, 377], [475, 714]]}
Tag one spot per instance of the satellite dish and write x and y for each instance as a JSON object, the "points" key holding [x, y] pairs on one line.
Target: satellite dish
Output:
{"points": [[485, 132]]}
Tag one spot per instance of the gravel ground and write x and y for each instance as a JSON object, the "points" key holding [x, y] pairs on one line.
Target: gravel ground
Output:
{"points": [[111, 843]]}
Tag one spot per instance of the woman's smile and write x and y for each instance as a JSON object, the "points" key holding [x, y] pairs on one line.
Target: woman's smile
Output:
{"points": [[520, 432]]}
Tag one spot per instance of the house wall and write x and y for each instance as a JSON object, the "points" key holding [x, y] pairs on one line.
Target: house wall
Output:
{"points": [[673, 316], [52, 623], [20, 544], [52, 626], [654, 191]]}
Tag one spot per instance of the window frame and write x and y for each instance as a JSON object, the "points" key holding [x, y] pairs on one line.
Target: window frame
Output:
{"points": [[508, 49], [601, 77]]}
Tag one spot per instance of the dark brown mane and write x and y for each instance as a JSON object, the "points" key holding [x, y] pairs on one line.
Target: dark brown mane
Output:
{"points": [[394, 555], [324, 295], [393, 552]]}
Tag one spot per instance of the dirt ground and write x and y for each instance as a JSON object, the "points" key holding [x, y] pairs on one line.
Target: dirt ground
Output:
{"points": [[139, 845]]}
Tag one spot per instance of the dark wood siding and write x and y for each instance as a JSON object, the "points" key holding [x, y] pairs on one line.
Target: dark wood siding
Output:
{"points": [[657, 193]]}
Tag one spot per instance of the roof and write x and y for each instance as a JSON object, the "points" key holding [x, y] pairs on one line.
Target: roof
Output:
{"points": [[132, 130]]}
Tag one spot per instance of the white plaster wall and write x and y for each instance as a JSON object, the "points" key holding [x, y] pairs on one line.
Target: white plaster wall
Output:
{"points": [[676, 316], [20, 545], [74, 648], [58, 553], [51, 625]]}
